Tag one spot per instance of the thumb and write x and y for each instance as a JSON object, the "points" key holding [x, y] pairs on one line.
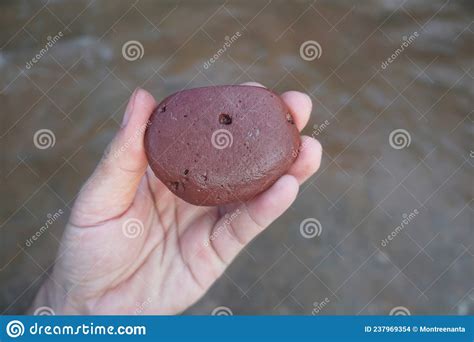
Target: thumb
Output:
{"points": [[110, 190]]}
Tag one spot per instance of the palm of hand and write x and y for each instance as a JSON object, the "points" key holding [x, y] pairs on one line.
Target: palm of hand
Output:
{"points": [[152, 259], [131, 246]]}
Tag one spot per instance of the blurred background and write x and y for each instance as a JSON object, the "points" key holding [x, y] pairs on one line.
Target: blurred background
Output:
{"points": [[384, 227]]}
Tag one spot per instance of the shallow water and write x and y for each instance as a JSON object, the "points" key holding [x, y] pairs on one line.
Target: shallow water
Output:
{"points": [[79, 87]]}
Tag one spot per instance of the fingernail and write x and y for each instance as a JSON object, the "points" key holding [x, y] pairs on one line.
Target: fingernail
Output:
{"points": [[129, 109]]}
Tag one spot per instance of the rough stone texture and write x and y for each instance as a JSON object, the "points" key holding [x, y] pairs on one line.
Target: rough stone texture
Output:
{"points": [[222, 144], [360, 194]]}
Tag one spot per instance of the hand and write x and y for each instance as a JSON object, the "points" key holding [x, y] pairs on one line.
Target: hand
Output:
{"points": [[133, 247]]}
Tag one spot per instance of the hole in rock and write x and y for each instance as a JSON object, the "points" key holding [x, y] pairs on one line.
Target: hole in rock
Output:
{"points": [[225, 119]]}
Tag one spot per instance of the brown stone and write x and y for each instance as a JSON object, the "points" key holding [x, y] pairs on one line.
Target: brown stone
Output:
{"points": [[216, 145]]}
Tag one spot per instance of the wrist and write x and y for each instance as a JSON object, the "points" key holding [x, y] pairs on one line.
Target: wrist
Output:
{"points": [[51, 299]]}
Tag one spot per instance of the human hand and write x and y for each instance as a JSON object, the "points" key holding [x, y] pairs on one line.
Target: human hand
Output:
{"points": [[131, 246]]}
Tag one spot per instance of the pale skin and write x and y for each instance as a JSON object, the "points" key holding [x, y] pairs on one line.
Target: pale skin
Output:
{"points": [[173, 261]]}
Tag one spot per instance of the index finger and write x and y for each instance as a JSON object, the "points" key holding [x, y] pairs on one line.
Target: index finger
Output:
{"points": [[299, 104]]}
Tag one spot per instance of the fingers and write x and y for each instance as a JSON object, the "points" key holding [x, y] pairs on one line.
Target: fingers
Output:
{"points": [[112, 187], [308, 160], [236, 229], [298, 103], [239, 227], [300, 106]]}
